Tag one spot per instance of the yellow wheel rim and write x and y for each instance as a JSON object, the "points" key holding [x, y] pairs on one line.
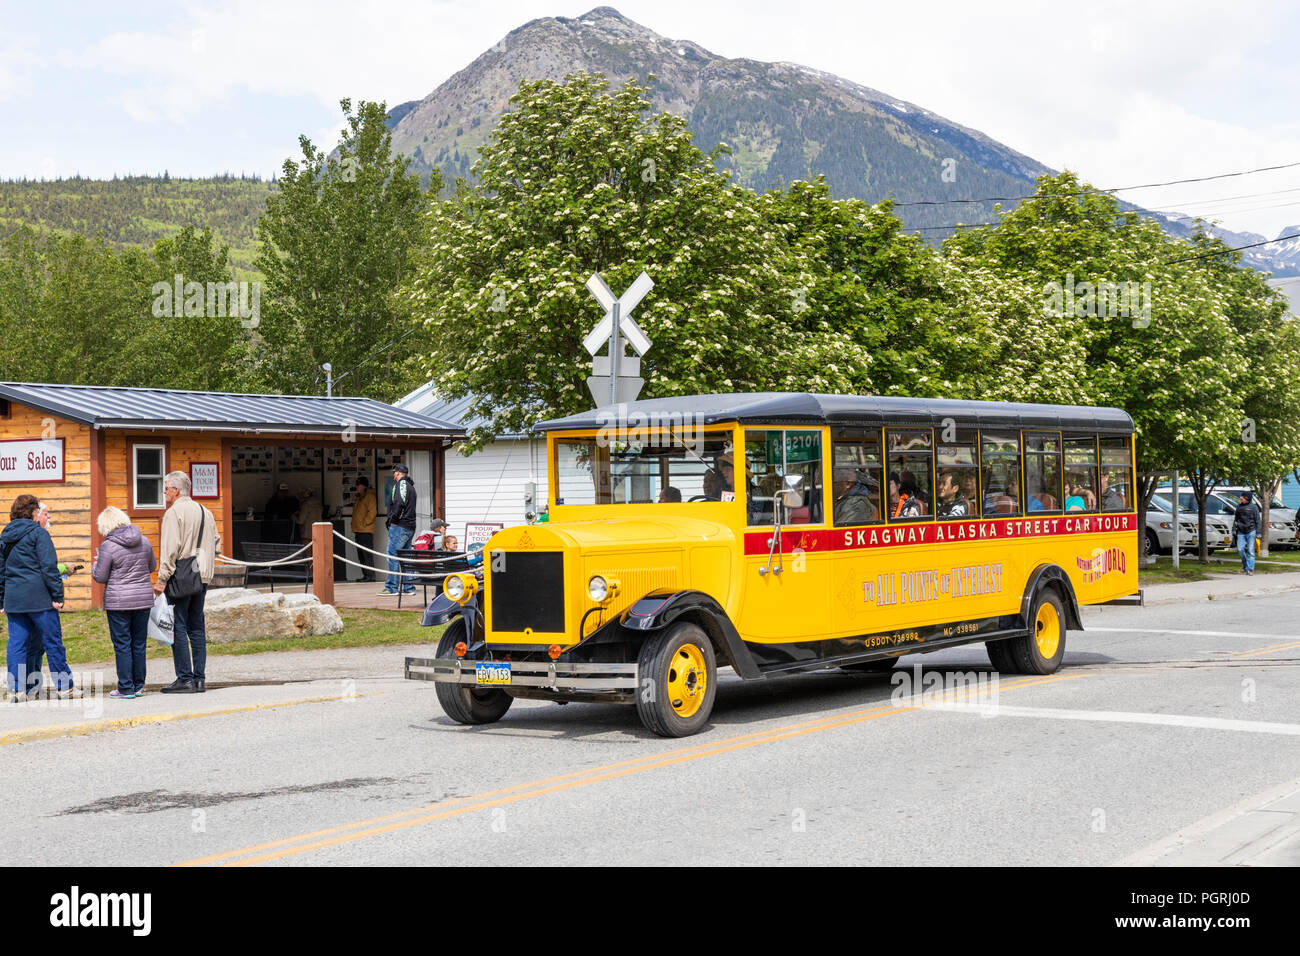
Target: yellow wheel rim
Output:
{"points": [[1047, 630], [687, 680]]}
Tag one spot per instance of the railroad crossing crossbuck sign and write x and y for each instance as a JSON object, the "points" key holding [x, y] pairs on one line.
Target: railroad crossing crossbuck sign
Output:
{"points": [[616, 377]]}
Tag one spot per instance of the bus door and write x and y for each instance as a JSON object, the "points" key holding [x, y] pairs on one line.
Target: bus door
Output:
{"points": [[785, 596]]}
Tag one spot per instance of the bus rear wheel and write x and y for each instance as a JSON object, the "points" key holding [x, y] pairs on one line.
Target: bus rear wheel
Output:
{"points": [[464, 703], [1000, 656], [1041, 650], [679, 678]]}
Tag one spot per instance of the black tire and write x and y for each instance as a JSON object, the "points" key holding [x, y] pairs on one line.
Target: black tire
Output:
{"points": [[1151, 545], [1000, 656], [1028, 651], [883, 666], [465, 703], [671, 665]]}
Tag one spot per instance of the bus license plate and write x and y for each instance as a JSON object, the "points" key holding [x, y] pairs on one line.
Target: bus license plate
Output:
{"points": [[492, 672]]}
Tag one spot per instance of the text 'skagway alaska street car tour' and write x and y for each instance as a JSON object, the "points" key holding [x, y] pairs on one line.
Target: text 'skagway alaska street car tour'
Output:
{"points": [[773, 533]]}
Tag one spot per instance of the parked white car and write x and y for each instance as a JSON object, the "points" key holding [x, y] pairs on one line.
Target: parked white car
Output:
{"points": [[1160, 529]]}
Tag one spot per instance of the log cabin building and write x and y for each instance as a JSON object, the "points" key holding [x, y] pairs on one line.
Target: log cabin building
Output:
{"points": [[80, 448]]}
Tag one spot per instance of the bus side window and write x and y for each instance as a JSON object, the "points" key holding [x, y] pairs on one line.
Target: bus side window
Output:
{"points": [[1081, 474], [956, 479], [911, 465], [1000, 460], [855, 476], [1116, 474], [1042, 472]]}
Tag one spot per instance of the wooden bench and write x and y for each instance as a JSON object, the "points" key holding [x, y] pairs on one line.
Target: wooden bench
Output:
{"points": [[430, 569], [255, 551]]}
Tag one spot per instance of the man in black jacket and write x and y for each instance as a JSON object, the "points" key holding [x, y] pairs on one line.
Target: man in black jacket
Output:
{"points": [[1245, 525], [401, 528]]}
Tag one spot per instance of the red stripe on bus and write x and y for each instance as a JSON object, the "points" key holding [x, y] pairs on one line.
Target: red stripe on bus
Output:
{"points": [[888, 536]]}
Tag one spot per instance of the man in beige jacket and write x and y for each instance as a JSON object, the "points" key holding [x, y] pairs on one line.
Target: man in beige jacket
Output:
{"points": [[363, 526], [180, 539]]}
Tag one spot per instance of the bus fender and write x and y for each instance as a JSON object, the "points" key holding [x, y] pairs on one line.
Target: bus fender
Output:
{"points": [[1051, 576], [443, 609], [658, 609]]}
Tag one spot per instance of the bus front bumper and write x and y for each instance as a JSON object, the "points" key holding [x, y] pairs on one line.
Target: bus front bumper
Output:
{"points": [[541, 675]]}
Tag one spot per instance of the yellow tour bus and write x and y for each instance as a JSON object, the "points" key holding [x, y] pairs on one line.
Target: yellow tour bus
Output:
{"points": [[775, 533]]}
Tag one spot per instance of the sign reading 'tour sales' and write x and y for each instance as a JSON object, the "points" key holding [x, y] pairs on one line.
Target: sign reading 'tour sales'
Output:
{"points": [[26, 462]]}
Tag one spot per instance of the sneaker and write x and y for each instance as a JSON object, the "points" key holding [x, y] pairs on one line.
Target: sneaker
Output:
{"points": [[179, 687], [139, 693], [387, 591], [16, 698], [71, 693], [118, 695], [409, 591]]}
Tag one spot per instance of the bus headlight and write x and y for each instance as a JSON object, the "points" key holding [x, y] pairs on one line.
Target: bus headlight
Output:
{"points": [[459, 587], [600, 589]]}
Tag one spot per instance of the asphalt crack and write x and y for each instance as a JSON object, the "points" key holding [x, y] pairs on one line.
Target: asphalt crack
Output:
{"points": [[154, 801]]}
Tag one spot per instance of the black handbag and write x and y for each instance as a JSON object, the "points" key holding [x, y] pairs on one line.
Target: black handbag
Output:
{"points": [[185, 580]]}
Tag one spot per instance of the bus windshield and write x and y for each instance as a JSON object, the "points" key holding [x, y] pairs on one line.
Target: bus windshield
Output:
{"points": [[658, 467]]}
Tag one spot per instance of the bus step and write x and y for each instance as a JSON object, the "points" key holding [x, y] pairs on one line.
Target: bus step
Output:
{"points": [[1132, 600]]}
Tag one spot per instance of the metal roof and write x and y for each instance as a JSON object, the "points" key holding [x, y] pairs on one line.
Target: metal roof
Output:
{"points": [[112, 407], [425, 401], [795, 408]]}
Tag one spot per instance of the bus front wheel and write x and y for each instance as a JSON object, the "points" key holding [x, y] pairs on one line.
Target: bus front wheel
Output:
{"points": [[1041, 650], [461, 702], [679, 676]]}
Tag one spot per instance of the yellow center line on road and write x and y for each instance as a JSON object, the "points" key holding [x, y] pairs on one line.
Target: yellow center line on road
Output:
{"points": [[1272, 649], [319, 839]]}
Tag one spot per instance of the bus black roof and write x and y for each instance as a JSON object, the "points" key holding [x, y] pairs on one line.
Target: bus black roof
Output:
{"points": [[804, 408]]}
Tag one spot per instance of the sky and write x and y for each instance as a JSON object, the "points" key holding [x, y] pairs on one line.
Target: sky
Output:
{"points": [[1124, 93]]}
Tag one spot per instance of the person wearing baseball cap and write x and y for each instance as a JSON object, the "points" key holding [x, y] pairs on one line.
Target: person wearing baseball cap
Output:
{"points": [[401, 527]]}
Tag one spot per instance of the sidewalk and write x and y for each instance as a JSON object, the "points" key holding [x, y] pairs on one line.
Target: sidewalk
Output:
{"points": [[236, 684], [1220, 587], [1263, 830]]}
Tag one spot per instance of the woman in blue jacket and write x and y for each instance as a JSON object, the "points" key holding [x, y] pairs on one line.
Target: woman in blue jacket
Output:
{"points": [[31, 594]]}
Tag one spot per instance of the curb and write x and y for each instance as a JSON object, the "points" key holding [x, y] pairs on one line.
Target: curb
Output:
{"points": [[1253, 592], [121, 723]]}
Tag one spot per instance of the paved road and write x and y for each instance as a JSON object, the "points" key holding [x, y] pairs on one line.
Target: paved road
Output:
{"points": [[1172, 735]]}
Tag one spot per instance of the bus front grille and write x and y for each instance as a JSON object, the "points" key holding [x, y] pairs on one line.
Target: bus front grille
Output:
{"points": [[527, 591]]}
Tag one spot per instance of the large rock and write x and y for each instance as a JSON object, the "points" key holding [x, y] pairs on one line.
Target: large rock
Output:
{"points": [[242, 614]]}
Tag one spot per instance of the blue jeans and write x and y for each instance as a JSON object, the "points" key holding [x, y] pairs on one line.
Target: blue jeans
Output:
{"points": [[1246, 548], [187, 613], [129, 631], [44, 628], [399, 539]]}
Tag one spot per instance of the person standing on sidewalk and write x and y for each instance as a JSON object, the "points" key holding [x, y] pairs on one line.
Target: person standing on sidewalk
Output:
{"points": [[181, 540], [35, 646], [123, 565], [363, 526], [1245, 524], [401, 528], [31, 594]]}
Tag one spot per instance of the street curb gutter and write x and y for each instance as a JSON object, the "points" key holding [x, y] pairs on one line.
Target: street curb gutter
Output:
{"points": [[122, 723], [1154, 600]]}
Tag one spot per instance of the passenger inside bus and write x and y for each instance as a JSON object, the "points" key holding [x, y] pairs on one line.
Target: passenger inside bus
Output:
{"points": [[669, 494], [855, 500], [951, 503], [905, 496]]}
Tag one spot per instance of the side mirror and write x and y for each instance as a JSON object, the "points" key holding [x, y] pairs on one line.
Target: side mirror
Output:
{"points": [[791, 496]]}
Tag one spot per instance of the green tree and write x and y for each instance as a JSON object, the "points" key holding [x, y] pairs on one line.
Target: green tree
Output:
{"points": [[337, 239]]}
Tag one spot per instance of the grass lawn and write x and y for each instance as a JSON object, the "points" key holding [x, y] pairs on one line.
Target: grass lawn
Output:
{"points": [[85, 635]]}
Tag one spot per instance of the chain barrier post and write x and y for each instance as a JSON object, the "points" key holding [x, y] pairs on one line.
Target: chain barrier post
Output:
{"points": [[322, 553]]}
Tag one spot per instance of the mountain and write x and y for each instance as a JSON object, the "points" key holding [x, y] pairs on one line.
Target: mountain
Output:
{"points": [[782, 121], [1280, 258]]}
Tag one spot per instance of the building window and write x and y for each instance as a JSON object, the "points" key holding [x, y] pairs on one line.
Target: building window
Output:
{"points": [[148, 467]]}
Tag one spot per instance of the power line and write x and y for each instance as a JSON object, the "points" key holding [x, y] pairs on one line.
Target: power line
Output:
{"points": [[1089, 192], [1219, 252]]}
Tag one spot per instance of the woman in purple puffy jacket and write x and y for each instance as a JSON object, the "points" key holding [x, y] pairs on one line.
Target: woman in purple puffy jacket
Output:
{"points": [[123, 565]]}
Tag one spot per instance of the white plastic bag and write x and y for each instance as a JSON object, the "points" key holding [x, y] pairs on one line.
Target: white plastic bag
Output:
{"points": [[161, 624]]}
